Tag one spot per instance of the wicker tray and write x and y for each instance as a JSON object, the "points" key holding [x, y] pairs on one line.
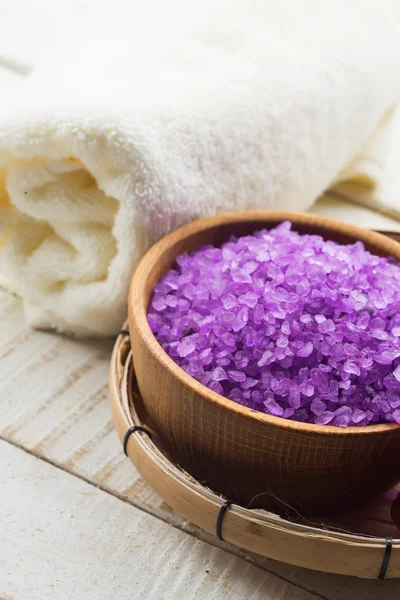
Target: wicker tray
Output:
{"points": [[364, 543]]}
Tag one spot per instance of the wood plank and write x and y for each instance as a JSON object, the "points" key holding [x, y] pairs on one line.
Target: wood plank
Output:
{"points": [[54, 401], [335, 205], [63, 538]]}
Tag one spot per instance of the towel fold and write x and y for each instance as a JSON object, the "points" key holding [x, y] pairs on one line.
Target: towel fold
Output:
{"points": [[180, 110]]}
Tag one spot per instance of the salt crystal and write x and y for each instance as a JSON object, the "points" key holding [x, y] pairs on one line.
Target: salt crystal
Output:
{"points": [[396, 415], [351, 367], [327, 326], [318, 407], [305, 318], [396, 372], [249, 298], [249, 383], [185, 347], [287, 413], [241, 277], [171, 300], [273, 407], [215, 386], [324, 418], [305, 350], [228, 339], [189, 291], [386, 356], [258, 314], [294, 397], [237, 376], [282, 341], [358, 415], [249, 267], [205, 353], [306, 389], [229, 301], [379, 334], [158, 303], [219, 374], [257, 397], [265, 359], [241, 319]]}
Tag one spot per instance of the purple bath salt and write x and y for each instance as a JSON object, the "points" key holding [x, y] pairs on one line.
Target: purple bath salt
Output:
{"points": [[292, 325]]}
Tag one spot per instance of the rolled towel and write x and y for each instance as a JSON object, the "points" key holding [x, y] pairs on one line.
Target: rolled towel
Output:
{"points": [[174, 111]]}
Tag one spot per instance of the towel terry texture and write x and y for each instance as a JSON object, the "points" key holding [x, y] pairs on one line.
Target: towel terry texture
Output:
{"points": [[174, 110]]}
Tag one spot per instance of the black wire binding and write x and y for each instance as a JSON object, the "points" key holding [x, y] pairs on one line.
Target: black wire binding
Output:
{"points": [[123, 332], [386, 558], [220, 518], [129, 433]]}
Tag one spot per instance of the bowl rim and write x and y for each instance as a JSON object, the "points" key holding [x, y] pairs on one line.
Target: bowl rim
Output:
{"points": [[138, 309]]}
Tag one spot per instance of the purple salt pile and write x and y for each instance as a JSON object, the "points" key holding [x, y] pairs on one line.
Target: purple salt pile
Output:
{"points": [[288, 324]]}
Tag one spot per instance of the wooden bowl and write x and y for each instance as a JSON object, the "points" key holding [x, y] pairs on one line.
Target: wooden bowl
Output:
{"points": [[254, 459], [352, 542]]}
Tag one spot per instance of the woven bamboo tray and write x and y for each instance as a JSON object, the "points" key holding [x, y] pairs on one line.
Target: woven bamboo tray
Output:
{"points": [[357, 543]]}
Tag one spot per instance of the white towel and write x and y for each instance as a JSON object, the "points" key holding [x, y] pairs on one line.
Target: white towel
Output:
{"points": [[168, 111]]}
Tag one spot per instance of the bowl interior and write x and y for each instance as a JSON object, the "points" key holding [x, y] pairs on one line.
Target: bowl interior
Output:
{"points": [[217, 230]]}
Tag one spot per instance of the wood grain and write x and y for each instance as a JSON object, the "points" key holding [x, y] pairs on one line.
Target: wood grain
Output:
{"points": [[61, 538], [333, 205], [256, 460], [82, 439], [54, 401]]}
